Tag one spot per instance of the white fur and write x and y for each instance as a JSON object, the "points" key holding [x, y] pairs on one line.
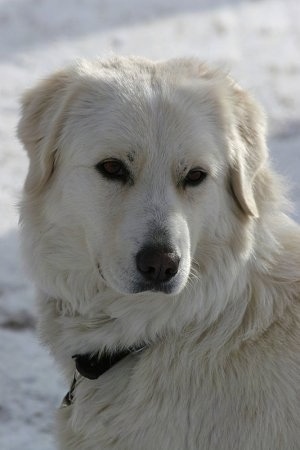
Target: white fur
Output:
{"points": [[222, 367]]}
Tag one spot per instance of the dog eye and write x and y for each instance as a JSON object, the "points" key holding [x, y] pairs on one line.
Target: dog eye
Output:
{"points": [[195, 177], [113, 169]]}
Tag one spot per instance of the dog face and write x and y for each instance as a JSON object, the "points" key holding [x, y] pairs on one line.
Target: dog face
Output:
{"points": [[143, 164]]}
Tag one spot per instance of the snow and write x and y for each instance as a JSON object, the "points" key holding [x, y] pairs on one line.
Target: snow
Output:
{"points": [[258, 41]]}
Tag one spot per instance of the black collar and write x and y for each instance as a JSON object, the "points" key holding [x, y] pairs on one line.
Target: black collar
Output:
{"points": [[91, 366]]}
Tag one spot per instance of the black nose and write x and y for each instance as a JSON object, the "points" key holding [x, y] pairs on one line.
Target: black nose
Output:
{"points": [[157, 264]]}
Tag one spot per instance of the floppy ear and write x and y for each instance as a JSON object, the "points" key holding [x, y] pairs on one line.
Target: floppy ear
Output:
{"points": [[248, 151], [40, 125]]}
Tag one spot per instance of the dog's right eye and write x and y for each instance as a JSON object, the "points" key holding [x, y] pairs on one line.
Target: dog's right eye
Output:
{"points": [[113, 169]]}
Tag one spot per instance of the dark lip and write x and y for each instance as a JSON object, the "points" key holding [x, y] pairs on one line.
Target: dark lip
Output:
{"points": [[165, 288]]}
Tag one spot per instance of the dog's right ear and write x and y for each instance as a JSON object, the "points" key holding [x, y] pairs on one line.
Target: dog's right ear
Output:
{"points": [[41, 123]]}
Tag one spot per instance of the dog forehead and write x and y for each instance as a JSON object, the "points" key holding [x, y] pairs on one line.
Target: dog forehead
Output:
{"points": [[145, 114]]}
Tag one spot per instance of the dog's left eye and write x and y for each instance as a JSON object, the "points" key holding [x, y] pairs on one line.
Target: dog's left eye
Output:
{"points": [[113, 169], [195, 177]]}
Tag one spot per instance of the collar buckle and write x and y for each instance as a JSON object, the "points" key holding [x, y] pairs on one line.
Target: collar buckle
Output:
{"points": [[69, 397]]}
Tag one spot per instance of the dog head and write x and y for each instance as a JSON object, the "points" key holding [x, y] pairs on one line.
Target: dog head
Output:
{"points": [[140, 165]]}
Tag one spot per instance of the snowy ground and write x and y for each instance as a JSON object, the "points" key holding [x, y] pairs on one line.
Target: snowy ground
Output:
{"points": [[258, 41]]}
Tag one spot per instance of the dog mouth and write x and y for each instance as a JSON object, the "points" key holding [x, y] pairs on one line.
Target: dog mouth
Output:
{"points": [[166, 288]]}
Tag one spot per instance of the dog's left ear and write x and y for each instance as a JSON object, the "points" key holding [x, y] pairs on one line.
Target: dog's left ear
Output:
{"points": [[248, 150]]}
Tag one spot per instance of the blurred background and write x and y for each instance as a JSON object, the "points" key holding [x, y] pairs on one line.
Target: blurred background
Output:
{"points": [[257, 41]]}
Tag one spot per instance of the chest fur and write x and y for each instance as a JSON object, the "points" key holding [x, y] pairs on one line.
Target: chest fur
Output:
{"points": [[171, 397]]}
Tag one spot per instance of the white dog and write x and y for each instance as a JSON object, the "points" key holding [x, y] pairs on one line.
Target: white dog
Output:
{"points": [[168, 275]]}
